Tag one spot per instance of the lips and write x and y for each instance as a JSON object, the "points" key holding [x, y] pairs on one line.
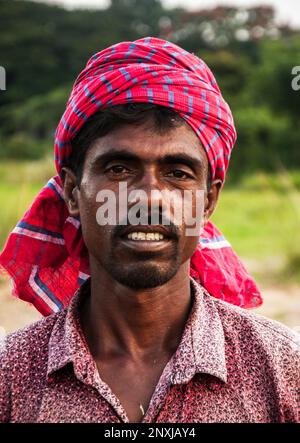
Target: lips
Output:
{"points": [[147, 238]]}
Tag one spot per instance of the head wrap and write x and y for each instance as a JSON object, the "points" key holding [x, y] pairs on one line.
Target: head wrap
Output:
{"points": [[45, 253]]}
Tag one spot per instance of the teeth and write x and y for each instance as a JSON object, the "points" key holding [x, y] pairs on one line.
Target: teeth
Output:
{"points": [[150, 236]]}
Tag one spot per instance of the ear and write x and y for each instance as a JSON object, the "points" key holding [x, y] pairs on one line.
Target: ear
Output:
{"points": [[211, 200], [70, 190]]}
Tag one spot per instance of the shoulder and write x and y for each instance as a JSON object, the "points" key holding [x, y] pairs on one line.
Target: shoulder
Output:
{"points": [[27, 344], [23, 364], [260, 344], [248, 324]]}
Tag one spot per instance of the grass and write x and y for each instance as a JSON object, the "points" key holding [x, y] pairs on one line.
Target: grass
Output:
{"points": [[259, 224], [26, 172], [260, 216], [19, 184]]}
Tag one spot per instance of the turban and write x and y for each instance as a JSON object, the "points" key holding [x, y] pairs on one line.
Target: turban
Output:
{"points": [[45, 253]]}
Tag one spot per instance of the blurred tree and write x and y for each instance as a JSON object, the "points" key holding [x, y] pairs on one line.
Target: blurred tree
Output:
{"points": [[230, 70], [272, 79], [27, 130], [135, 18], [265, 142], [42, 45]]}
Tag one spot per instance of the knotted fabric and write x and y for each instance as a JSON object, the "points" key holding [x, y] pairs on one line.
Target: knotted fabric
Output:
{"points": [[45, 253]]}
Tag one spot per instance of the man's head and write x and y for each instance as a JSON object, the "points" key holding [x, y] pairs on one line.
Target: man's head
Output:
{"points": [[147, 147]]}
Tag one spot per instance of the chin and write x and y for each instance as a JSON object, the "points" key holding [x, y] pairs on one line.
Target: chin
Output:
{"points": [[144, 276]]}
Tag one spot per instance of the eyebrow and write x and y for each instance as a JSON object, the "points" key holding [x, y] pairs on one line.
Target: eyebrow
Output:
{"points": [[123, 154], [118, 154], [184, 159]]}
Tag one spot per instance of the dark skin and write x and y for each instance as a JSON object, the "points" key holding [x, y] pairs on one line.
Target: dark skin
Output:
{"points": [[132, 331]]}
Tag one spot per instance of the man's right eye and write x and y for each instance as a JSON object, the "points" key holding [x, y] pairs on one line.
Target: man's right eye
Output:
{"points": [[117, 169]]}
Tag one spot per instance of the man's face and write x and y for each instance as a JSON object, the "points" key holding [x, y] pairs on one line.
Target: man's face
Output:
{"points": [[145, 160]]}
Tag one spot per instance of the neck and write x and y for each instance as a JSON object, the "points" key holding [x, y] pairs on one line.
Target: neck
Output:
{"points": [[119, 321]]}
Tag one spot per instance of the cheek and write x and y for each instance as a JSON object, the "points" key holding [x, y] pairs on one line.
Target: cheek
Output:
{"points": [[87, 210], [193, 223], [93, 233]]}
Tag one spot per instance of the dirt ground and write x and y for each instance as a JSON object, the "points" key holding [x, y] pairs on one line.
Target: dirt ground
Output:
{"points": [[281, 304]]}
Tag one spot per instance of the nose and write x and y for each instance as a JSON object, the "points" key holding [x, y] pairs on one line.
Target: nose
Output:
{"points": [[149, 179], [148, 191]]}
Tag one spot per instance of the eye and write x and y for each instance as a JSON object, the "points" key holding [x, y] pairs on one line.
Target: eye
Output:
{"points": [[180, 174], [117, 169]]}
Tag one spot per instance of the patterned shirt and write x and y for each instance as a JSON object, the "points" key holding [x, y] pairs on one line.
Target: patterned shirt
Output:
{"points": [[230, 366]]}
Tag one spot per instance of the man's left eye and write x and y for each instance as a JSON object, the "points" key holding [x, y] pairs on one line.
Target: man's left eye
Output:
{"points": [[178, 173]]}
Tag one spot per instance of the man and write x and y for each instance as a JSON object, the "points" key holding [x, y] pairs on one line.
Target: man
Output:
{"points": [[142, 339]]}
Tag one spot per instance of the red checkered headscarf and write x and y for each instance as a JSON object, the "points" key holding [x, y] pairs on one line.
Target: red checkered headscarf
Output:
{"points": [[45, 253]]}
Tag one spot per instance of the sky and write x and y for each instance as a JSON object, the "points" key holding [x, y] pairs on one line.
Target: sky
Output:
{"points": [[288, 11]]}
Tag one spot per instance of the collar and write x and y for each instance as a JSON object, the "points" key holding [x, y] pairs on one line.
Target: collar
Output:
{"points": [[67, 343], [202, 346], [201, 349]]}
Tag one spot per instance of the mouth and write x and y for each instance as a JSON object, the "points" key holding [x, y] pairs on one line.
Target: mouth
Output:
{"points": [[147, 238]]}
